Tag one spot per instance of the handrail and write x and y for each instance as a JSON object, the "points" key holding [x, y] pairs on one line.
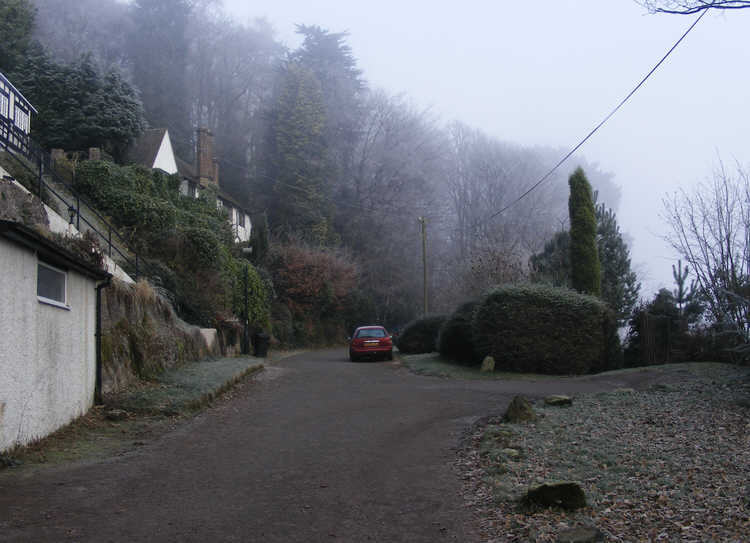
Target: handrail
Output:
{"points": [[19, 143]]}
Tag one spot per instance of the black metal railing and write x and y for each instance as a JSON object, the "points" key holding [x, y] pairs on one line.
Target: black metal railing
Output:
{"points": [[30, 156]]}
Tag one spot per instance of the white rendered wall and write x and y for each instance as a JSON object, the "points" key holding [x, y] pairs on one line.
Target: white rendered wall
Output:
{"points": [[58, 225], [47, 353], [243, 232]]}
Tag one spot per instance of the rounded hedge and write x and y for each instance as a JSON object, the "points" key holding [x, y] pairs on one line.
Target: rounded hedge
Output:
{"points": [[544, 329], [420, 335], [455, 339]]}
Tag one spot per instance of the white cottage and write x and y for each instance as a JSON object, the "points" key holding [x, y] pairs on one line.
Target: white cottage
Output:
{"points": [[153, 149], [48, 324]]}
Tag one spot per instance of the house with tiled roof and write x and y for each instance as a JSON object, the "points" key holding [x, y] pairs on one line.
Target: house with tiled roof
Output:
{"points": [[153, 149]]}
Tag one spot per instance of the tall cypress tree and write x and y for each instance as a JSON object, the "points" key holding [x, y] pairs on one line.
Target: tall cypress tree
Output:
{"points": [[584, 257]]}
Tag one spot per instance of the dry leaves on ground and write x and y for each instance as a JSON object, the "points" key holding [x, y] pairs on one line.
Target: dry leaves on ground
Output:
{"points": [[669, 463]]}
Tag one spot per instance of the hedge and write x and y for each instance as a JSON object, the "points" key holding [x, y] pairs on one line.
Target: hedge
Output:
{"points": [[420, 335], [455, 339], [543, 329]]}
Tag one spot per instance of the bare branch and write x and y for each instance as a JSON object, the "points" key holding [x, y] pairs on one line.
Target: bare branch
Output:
{"points": [[689, 7]]}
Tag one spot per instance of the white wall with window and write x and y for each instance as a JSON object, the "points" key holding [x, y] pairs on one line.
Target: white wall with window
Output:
{"points": [[242, 226], [47, 345]]}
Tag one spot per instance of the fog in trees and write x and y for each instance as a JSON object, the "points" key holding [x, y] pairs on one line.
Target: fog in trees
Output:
{"points": [[335, 162]]}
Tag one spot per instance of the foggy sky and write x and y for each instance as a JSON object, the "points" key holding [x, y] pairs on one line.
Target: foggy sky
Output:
{"points": [[545, 73]]}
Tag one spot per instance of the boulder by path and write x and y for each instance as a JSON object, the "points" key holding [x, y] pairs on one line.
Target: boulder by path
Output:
{"points": [[520, 410], [566, 494]]}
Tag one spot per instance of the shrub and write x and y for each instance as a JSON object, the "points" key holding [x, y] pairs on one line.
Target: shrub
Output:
{"points": [[420, 335], [543, 329], [315, 285], [455, 340]]}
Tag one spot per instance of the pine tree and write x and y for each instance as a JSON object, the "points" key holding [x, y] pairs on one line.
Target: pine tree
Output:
{"points": [[584, 257], [686, 296]]}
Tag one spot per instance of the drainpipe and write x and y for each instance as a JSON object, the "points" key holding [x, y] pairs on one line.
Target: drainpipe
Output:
{"points": [[98, 382]]}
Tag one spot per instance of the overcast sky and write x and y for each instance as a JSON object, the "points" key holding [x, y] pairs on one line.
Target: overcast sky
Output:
{"points": [[545, 73]]}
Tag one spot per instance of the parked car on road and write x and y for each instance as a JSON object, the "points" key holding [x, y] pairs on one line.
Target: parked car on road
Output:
{"points": [[370, 342]]}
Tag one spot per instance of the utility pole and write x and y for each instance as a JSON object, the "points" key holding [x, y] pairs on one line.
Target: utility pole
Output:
{"points": [[423, 223], [246, 319]]}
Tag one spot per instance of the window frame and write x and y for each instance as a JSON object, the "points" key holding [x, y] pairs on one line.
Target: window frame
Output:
{"points": [[21, 118], [4, 104], [51, 301]]}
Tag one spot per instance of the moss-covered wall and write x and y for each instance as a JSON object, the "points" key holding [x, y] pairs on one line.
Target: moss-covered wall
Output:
{"points": [[142, 336]]}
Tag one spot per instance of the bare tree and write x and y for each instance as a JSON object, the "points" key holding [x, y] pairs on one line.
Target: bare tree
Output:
{"points": [[711, 230], [687, 7]]}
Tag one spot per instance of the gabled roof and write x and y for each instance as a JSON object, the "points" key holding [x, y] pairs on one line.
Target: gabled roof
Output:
{"points": [[145, 149], [185, 169]]}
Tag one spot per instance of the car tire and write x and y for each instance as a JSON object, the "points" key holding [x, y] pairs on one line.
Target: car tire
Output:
{"points": [[389, 356], [353, 358]]}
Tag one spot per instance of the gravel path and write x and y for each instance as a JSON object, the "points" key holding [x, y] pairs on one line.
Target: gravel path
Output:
{"points": [[313, 449]]}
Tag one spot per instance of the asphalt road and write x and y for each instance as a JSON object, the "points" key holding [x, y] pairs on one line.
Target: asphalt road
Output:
{"points": [[313, 449]]}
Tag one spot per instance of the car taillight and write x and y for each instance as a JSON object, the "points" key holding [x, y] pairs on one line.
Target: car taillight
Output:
{"points": [[385, 341]]}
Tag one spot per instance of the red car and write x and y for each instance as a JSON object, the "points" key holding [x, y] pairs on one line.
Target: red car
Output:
{"points": [[370, 341]]}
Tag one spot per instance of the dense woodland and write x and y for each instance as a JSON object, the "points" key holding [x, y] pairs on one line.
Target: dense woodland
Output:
{"points": [[336, 167]]}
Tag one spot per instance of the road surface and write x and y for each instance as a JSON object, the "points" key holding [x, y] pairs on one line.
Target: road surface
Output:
{"points": [[313, 449]]}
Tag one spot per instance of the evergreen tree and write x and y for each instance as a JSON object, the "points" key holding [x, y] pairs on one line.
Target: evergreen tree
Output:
{"points": [[16, 26], [686, 296], [619, 284], [296, 172], [552, 265], [584, 258], [329, 58], [78, 108]]}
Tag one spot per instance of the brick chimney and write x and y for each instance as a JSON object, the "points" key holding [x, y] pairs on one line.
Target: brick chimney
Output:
{"points": [[205, 157]]}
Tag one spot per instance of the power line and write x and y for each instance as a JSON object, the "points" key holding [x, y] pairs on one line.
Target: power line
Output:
{"points": [[598, 126]]}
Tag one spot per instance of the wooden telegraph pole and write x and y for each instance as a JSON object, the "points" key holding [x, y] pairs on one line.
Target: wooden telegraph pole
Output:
{"points": [[423, 223]]}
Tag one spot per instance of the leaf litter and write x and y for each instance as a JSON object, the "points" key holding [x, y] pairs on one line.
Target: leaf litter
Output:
{"points": [[668, 463]]}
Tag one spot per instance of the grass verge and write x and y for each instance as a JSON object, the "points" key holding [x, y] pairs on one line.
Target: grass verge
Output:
{"points": [[434, 365], [148, 409]]}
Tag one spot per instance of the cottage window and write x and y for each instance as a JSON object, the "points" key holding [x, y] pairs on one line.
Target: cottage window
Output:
{"points": [[51, 285], [22, 119], [241, 218], [4, 104]]}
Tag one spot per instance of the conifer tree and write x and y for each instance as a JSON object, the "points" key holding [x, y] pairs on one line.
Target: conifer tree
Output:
{"points": [[619, 284], [296, 164], [584, 256]]}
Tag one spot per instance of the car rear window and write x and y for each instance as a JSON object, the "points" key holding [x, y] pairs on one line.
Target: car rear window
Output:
{"points": [[371, 332]]}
